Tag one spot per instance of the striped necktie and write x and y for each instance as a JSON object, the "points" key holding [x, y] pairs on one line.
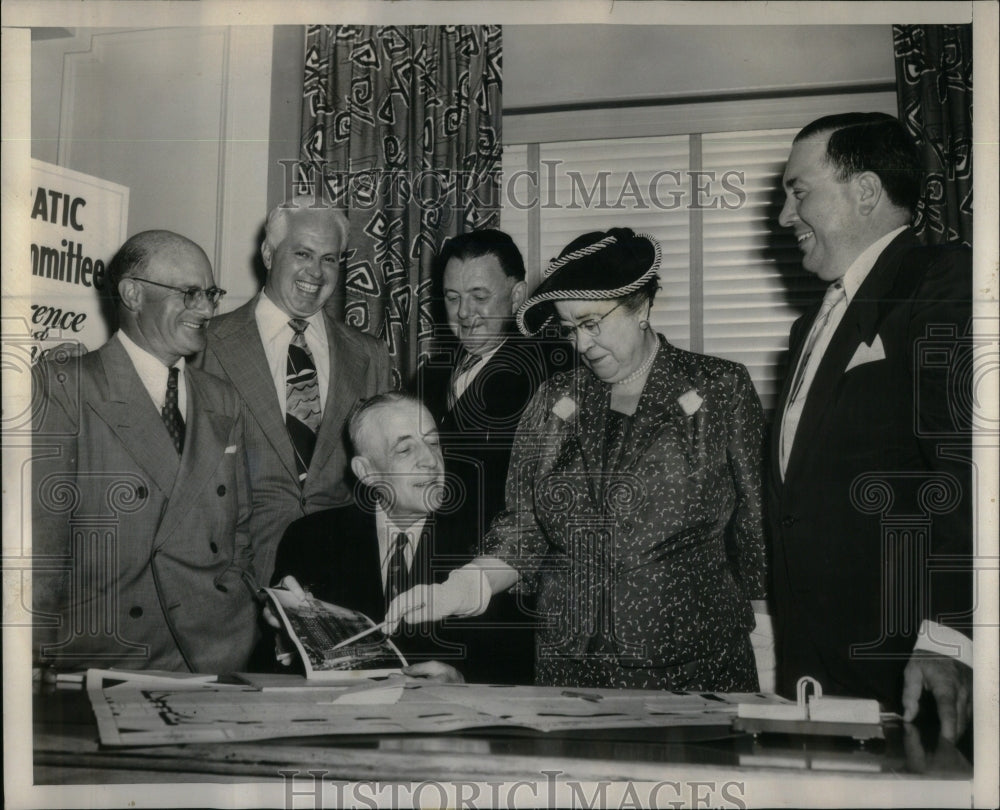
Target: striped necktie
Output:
{"points": [[302, 409], [171, 413], [397, 572]]}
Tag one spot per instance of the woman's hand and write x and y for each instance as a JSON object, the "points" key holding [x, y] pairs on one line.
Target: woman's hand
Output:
{"points": [[762, 641], [466, 592]]}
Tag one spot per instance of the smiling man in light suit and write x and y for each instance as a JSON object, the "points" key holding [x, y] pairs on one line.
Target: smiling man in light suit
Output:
{"points": [[870, 482], [140, 499], [298, 371]]}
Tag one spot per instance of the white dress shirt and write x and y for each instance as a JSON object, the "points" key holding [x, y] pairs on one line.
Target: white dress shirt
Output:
{"points": [[932, 636], [153, 374], [851, 281], [276, 334], [387, 531]]}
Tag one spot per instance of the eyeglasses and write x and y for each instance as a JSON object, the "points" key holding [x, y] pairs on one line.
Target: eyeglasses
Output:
{"points": [[592, 326], [193, 296]]}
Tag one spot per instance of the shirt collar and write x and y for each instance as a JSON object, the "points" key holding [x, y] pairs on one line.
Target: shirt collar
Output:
{"points": [[862, 266], [487, 356], [388, 529], [147, 365], [271, 320]]}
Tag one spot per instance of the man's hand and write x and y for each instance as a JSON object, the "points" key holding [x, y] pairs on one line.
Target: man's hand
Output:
{"points": [[951, 684], [436, 671], [290, 594]]}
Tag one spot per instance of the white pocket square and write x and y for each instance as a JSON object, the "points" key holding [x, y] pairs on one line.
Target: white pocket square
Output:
{"points": [[231, 448], [867, 354]]}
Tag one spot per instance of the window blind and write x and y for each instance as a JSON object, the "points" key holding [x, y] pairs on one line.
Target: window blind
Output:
{"points": [[638, 183], [731, 278], [753, 284]]}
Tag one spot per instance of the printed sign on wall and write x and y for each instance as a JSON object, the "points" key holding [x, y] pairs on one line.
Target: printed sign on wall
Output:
{"points": [[77, 224]]}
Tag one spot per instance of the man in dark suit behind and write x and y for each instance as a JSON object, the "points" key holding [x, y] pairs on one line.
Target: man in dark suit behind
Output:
{"points": [[477, 389], [870, 483], [298, 371], [140, 497]]}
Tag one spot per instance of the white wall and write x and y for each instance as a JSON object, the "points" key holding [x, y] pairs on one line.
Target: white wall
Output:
{"points": [[179, 115], [563, 64]]}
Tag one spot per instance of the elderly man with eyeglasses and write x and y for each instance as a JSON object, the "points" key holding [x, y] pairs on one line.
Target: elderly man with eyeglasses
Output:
{"points": [[140, 500]]}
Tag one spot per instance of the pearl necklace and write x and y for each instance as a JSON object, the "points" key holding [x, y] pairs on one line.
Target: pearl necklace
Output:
{"points": [[639, 372]]}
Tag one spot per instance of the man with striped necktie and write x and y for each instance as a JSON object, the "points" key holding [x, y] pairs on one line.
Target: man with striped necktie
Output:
{"points": [[139, 483], [364, 554], [298, 371]]}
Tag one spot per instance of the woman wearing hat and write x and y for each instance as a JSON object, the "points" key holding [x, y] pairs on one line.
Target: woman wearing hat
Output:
{"points": [[633, 500]]}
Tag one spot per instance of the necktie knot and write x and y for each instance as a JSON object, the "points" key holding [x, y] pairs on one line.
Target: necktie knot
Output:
{"points": [[298, 325], [834, 293], [468, 361], [172, 375]]}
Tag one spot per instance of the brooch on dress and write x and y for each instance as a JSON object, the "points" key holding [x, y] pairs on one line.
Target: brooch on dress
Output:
{"points": [[690, 402], [564, 408]]}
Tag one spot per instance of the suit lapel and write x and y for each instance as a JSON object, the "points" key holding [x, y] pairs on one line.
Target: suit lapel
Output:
{"points": [[859, 325], [241, 354], [131, 415], [796, 345], [206, 433], [368, 577]]}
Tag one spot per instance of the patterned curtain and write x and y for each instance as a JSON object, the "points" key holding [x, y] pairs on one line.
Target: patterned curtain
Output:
{"points": [[934, 83], [401, 126]]}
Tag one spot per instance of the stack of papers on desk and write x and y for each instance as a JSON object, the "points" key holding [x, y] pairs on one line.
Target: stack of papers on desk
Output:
{"points": [[138, 715]]}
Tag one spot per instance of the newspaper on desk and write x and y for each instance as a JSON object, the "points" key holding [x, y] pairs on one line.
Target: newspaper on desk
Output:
{"points": [[155, 716]]}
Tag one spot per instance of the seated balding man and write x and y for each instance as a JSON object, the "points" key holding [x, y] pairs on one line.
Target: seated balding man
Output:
{"points": [[362, 555]]}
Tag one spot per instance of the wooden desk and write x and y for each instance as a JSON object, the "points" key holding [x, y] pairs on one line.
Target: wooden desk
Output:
{"points": [[67, 751]]}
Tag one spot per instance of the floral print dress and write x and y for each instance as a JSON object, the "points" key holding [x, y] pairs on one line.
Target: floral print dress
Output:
{"points": [[641, 536]]}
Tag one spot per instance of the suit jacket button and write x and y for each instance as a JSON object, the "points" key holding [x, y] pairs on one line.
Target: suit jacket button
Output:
{"points": [[220, 587], [140, 492], [787, 521], [135, 612], [221, 490], [214, 547]]}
